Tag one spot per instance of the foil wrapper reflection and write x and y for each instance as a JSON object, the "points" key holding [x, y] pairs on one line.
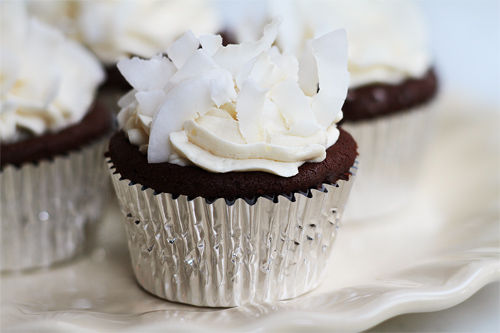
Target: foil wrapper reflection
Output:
{"points": [[228, 253], [48, 209]]}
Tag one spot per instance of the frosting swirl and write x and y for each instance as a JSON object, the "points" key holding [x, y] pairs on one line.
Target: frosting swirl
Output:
{"points": [[243, 107], [387, 40], [117, 29], [48, 82]]}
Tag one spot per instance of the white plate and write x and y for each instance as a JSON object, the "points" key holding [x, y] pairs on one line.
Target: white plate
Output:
{"points": [[429, 256]]}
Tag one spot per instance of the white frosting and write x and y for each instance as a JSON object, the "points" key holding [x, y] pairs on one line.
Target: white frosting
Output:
{"points": [[117, 29], [47, 81], [236, 108], [387, 39], [61, 14]]}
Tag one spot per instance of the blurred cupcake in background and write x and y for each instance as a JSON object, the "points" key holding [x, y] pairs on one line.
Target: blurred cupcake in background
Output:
{"points": [[231, 178], [118, 29], [52, 138], [392, 90]]}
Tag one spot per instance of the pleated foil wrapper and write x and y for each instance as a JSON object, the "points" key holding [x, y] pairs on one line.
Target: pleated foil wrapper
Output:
{"points": [[391, 149], [49, 210], [229, 253]]}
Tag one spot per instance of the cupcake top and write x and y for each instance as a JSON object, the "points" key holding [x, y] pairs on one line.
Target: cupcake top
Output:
{"points": [[387, 39], [243, 107], [48, 81], [117, 29]]}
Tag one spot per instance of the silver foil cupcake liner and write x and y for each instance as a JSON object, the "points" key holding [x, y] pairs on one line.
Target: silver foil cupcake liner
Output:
{"points": [[228, 253], [390, 149], [48, 209]]}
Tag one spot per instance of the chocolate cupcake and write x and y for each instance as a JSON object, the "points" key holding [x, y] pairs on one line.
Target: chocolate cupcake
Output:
{"points": [[389, 106], [388, 122], [232, 180], [52, 140], [392, 89]]}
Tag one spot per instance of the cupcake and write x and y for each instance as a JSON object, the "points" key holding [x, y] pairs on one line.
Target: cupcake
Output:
{"points": [[231, 178], [392, 90], [391, 99], [115, 30], [52, 140]]}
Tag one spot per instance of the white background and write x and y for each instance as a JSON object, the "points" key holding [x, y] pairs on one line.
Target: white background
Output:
{"points": [[465, 36]]}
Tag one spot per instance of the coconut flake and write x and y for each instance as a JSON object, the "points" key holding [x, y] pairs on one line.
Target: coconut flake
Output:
{"points": [[330, 52], [149, 101], [295, 108], [308, 72], [222, 91], [146, 75], [256, 68], [187, 100], [199, 62], [183, 48], [286, 64], [249, 106], [234, 56], [211, 43]]}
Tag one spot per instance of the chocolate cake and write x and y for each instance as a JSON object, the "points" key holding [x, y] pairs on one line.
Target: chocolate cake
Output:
{"points": [[95, 124], [194, 181], [387, 121], [380, 99]]}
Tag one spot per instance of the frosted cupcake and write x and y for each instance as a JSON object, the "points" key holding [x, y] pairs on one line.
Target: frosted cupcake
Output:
{"points": [[232, 179], [391, 99], [119, 29], [392, 90], [52, 171]]}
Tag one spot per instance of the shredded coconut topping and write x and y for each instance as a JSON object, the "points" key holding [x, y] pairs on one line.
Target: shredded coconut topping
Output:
{"points": [[241, 107]]}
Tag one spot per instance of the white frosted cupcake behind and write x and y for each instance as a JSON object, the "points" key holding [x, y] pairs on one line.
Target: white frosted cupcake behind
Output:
{"points": [[52, 184]]}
